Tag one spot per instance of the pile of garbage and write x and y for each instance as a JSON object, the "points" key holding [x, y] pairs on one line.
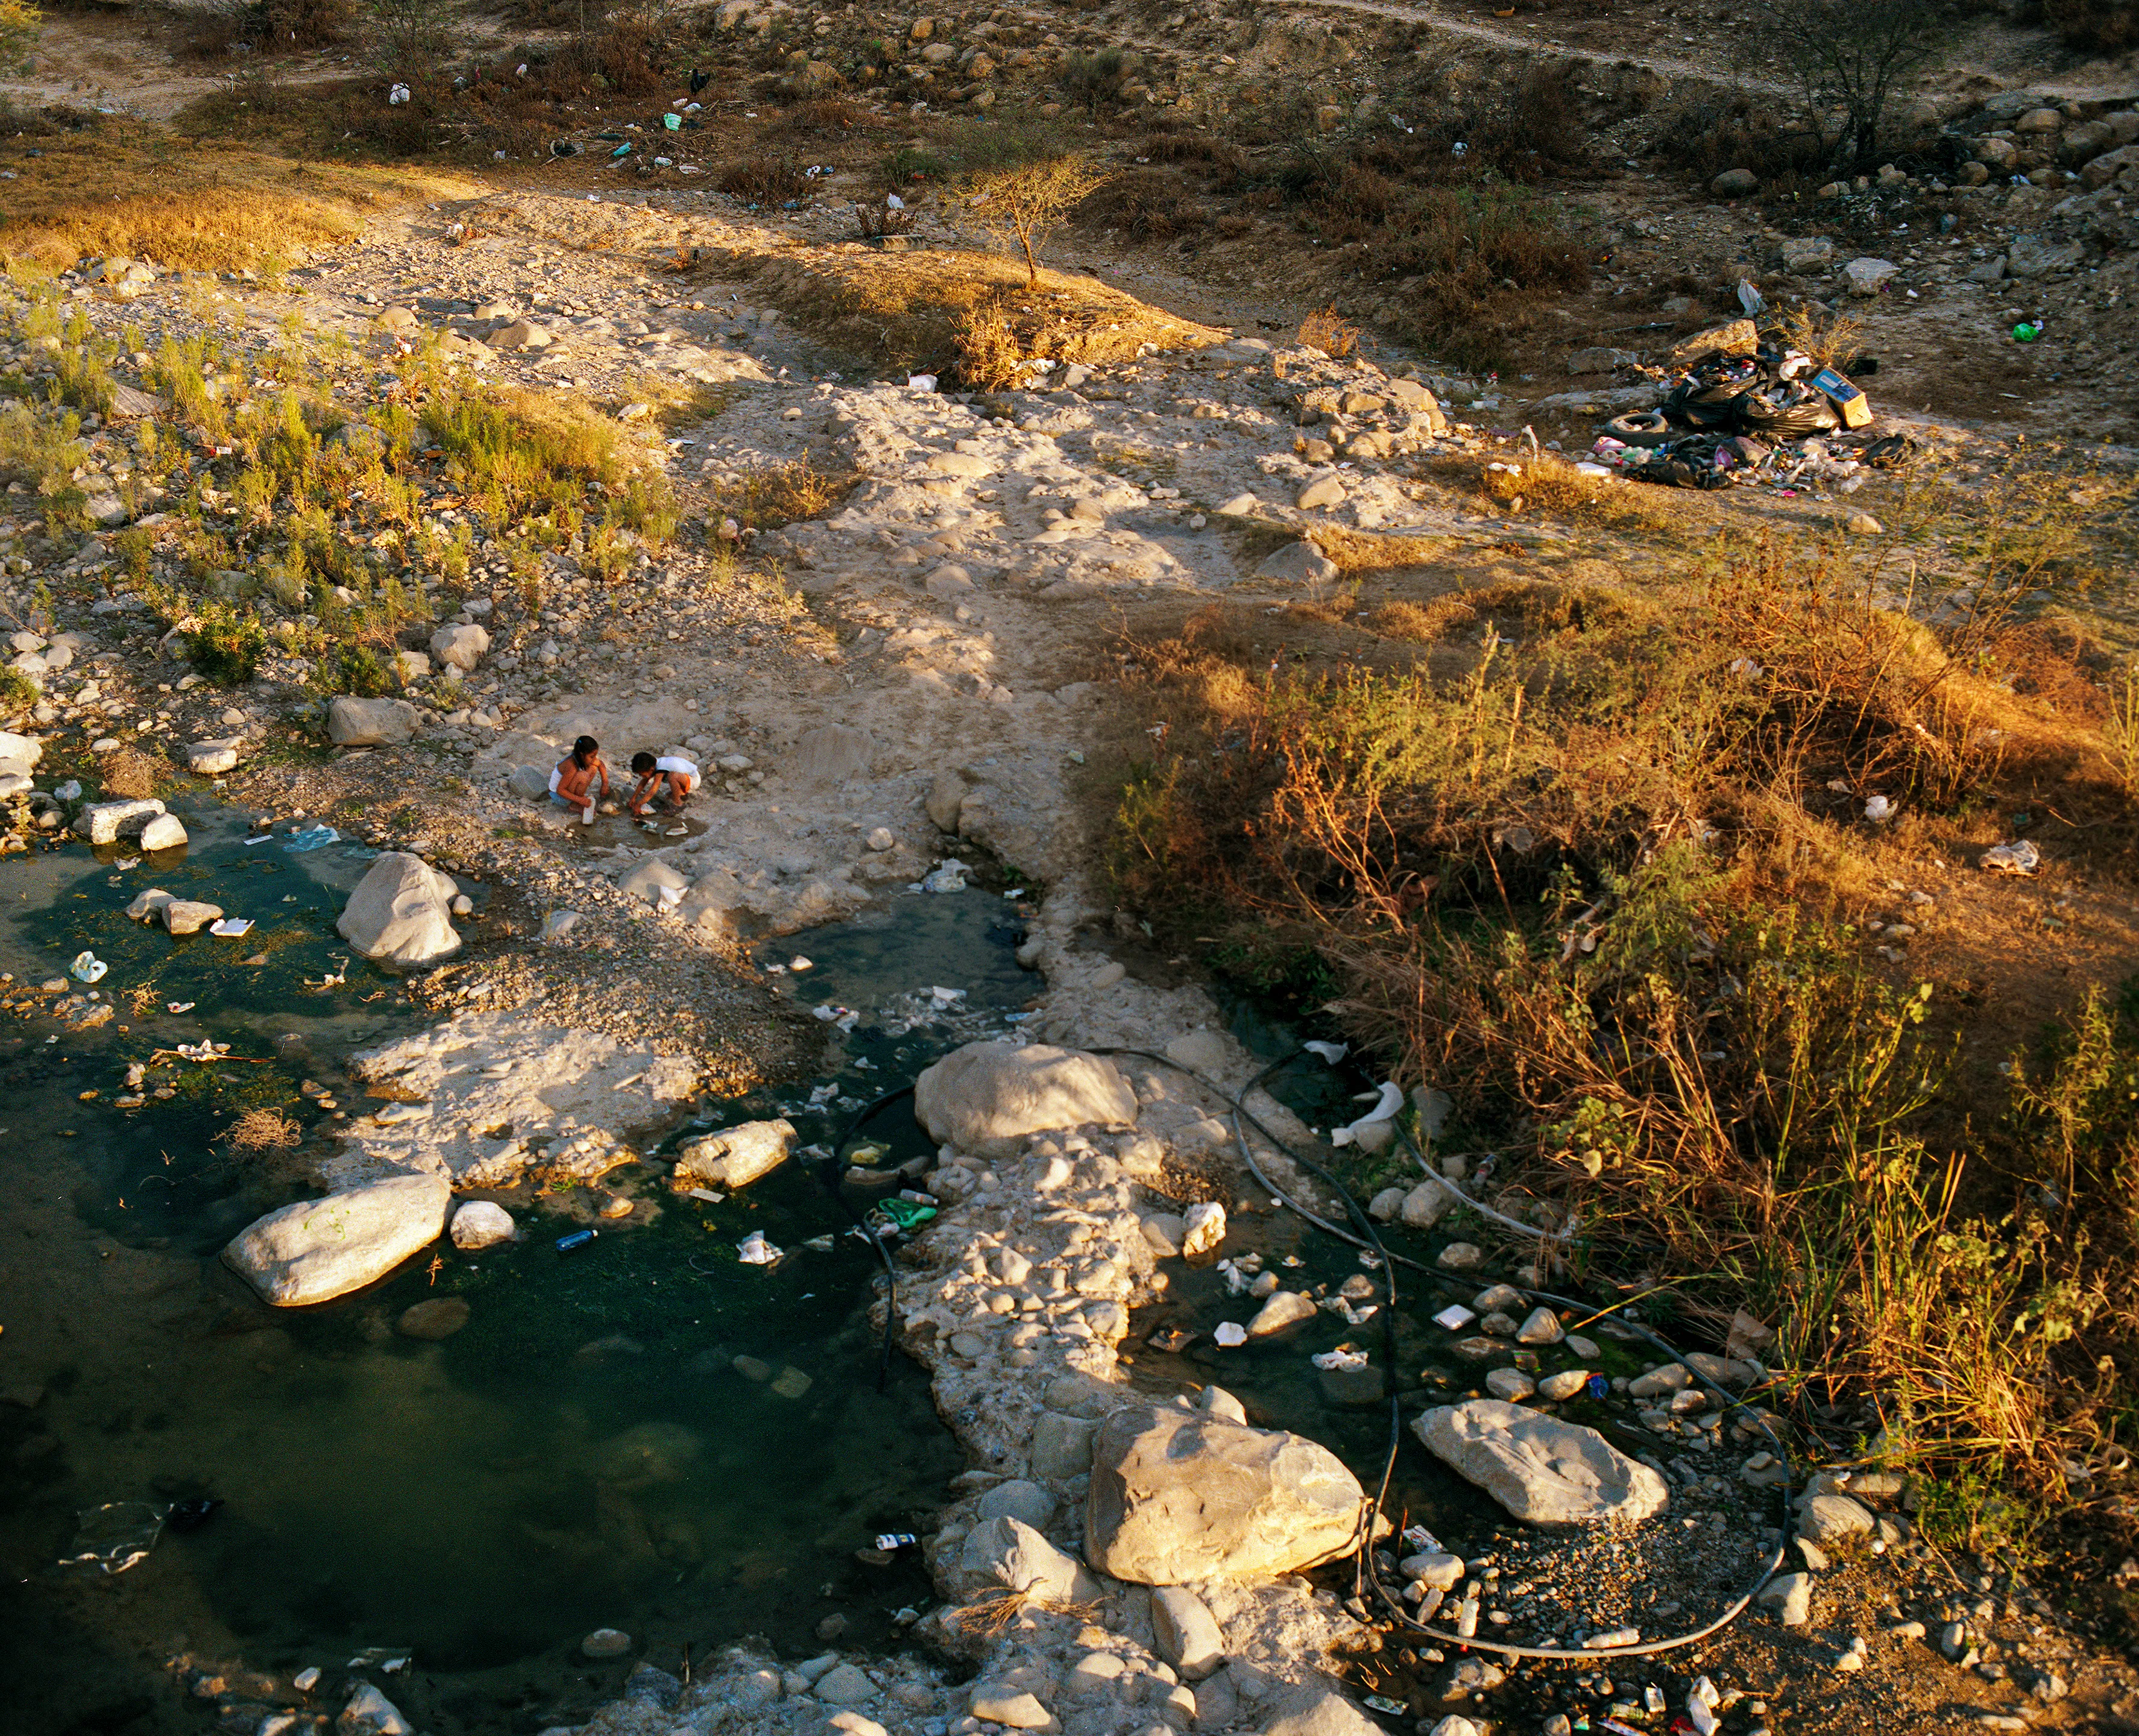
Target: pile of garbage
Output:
{"points": [[1775, 416]]}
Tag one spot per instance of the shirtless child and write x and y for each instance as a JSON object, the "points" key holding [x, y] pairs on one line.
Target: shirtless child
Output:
{"points": [[666, 782], [572, 784]]}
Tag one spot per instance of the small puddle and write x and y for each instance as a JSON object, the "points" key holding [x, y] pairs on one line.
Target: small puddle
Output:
{"points": [[643, 1434]]}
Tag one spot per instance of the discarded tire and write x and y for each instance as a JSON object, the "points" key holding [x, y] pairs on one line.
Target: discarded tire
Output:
{"points": [[1641, 428]]}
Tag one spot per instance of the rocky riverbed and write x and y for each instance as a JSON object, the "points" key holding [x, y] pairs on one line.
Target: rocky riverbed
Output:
{"points": [[905, 685]]}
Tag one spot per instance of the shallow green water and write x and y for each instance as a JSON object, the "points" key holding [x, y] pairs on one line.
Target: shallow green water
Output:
{"points": [[583, 1454]]}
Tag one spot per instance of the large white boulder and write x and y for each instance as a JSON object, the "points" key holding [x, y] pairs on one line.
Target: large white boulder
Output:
{"points": [[986, 1098], [735, 1157], [1544, 1471], [460, 647], [318, 1249], [1178, 1496], [108, 822], [369, 722], [400, 912]]}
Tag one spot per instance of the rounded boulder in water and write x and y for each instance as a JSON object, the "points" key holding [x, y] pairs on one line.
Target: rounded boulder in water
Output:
{"points": [[606, 1642], [440, 1318], [483, 1224]]}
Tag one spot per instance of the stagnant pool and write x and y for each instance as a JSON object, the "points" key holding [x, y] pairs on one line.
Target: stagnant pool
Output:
{"points": [[637, 1433]]}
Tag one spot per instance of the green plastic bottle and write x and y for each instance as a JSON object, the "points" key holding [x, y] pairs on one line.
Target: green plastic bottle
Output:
{"points": [[2026, 332]]}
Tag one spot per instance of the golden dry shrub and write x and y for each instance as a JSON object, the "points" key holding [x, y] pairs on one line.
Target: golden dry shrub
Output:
{"points": [[1021, 203]]}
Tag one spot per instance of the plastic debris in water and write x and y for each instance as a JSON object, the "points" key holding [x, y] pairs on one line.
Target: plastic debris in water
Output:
{"points": [[179, 1006], [577, 1239], [88, 967], [944, 997], [1343, 1361], [231, 927], [111, 1538], [201, 1051], [1332, 1052], [949, 877], [1454, 1317], [1386, 1106], [754, 1250], [311, 838], [1229, 1334], [894, 1540]]}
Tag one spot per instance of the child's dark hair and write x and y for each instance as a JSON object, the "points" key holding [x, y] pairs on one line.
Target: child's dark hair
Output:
{"points": [[642, 764], [584, 745]]}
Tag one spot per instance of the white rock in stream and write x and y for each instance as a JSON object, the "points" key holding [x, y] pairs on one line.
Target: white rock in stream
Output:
{"points": [[318, 1249], [165, 831], [401, 912], [108, 822], [1179, 1496], [1544, 1471], [370, 1713], [986, 1098], [483, 1224]]}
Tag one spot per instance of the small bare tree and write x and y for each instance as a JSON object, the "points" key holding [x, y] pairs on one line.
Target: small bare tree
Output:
{"points": [[1850, 55], [1022, 201]]}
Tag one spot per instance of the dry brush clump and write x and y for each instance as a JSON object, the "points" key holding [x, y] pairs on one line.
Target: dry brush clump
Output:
{"points": [[1555, 885], [263, 1129]]}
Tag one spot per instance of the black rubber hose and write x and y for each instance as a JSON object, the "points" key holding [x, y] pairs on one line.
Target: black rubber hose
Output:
{"points": [[826, 1173]]}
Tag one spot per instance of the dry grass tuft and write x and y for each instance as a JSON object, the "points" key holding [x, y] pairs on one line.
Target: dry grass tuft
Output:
{"points": [[1423, 621], [996, 1613], [128, 774], [989, 358], [1322, 330], [263, 1130], [784, 495]]}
